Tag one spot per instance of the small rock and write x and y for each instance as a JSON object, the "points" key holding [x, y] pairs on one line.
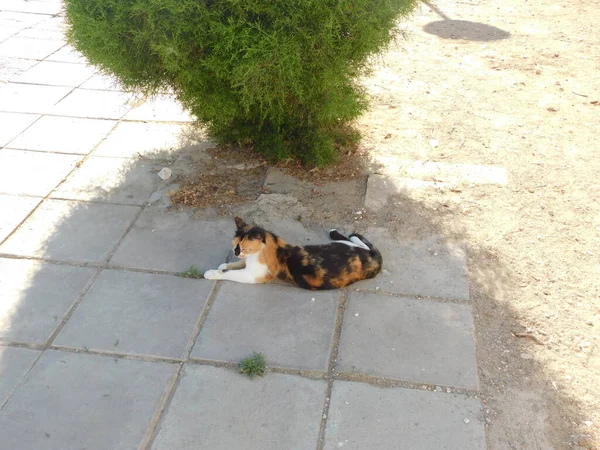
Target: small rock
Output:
{"points": [[526, 356], [376, 288], [355, 314], [165, 173], [466, 421], [312, 299], [438, 389], [448, 390]]}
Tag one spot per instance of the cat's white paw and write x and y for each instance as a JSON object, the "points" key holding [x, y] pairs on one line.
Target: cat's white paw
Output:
{"points": [[213, 274], [223, 266]]}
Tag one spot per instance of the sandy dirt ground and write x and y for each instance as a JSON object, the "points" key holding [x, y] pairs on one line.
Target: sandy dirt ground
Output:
{"points": [[514, 85]]}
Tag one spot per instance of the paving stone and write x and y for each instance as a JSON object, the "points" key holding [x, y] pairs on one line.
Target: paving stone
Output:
{"points": [[18, 19], [380, 188], [67, 54], [13, 124], [173, 241], [79, 401], [48, 134], [102, 82], [362, 416], [137, 313], [10, 68], [162, 108], [28, 48], [278, 320], [93, 104], [33, 173], [428, 267], [30, 98], [219, 409], [14, 364], [36, 7], [13, 210], [71, 231], [57, 73], [36, 33], [8, 31], [408, 339], [36, 296], [279, 182], [112, 180], [55, 23], [152, 140]]}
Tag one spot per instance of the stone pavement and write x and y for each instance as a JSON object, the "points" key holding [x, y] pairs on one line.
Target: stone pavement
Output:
{"points": [[103, 347]]}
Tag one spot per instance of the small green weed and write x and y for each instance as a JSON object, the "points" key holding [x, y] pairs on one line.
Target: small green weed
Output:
{"points": [[192, 272], [253, 365]]}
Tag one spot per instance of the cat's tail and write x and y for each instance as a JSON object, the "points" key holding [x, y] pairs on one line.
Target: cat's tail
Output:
{"points": [[375, 254]]}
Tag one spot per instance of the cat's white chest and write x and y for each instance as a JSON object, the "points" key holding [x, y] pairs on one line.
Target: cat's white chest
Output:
{"points": [[255, 267]]}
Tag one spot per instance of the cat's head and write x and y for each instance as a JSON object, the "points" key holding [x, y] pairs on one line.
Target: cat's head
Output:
{"points": [[248, 239]]}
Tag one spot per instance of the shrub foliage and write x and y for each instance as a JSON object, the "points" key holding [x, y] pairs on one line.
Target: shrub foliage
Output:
{"points": [[280, 74]]}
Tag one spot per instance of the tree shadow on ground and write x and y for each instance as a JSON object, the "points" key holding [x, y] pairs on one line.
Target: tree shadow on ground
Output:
{"points": [[64, 244]]}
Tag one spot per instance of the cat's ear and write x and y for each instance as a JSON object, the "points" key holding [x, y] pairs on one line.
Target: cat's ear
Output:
{"points": [[239, 223], [257, 236]]}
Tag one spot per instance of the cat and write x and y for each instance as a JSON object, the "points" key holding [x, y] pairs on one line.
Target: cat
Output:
{"points": [[265, 256]]}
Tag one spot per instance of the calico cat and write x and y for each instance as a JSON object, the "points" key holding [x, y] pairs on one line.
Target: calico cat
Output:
{"points": [[265, 256]]}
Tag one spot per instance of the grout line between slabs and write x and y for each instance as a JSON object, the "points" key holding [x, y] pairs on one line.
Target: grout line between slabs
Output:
{"points": [[335, 343], [169, 392]]}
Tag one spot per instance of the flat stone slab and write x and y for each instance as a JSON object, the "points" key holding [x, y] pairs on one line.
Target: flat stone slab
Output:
{"points": [[49, 134], [362, 416], [279, 182], [83, 401], [28, 48], [138, 313], [15, 362], [280, 321], [57, 74], [35, 297], [33, 173], [408, 339], [150, 140], [93, 104], [67, 54], [71, 231], [13, 124], [428, 267], [112, 180], [160, 108], [30, 98], [173, 241], [219, 409], [380, 188], [13, 210]]}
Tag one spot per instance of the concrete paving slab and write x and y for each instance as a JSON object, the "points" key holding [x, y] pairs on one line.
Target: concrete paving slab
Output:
{"points": [[280, 321], [138, 313], [14, 364], [57, 74], [71, 231], [362, 416], [162, 108], [30, 98], [10, 68], [36, 33], [37, 7], [83, 401], [48, 134], [218, 409], [28, 48], [173, 241], [13, 124], [13, 210], [7, 31], [428, 267], [112, 180], [18, 19], [36, 296], [67, 54], [93, 104], [103, 83], [55, 23], [33, 173], [408, 339], [151, 140]]}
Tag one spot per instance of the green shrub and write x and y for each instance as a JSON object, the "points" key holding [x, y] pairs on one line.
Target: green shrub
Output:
{"points": [[279, 74]]}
